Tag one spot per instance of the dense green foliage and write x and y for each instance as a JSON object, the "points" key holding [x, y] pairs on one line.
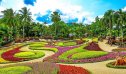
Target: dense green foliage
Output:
{"points": [[19, 24], [88, 54], [15, 70]]}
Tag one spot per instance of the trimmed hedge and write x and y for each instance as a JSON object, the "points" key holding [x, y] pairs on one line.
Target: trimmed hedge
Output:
{"points": [[88, 54]]}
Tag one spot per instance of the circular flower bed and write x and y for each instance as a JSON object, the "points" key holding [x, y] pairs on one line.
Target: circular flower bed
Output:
{"points": [[112, 65]]}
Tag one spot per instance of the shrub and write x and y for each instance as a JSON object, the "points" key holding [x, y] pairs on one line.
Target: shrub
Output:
{"points": [[88, 54]]}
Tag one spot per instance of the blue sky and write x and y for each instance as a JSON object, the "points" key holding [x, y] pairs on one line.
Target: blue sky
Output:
{"points": [[83, 11]]}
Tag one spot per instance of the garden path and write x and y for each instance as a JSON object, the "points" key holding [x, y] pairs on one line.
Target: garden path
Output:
{"points": [[106, 47]]}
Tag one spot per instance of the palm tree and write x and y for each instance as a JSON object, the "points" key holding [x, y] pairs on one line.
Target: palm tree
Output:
{"points": [[25, 16], [108, 19], [9, 19], [55, 18]]}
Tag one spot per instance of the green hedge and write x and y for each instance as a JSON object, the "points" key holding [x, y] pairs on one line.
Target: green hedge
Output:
{"points": [[15, 70], [88, 54]]}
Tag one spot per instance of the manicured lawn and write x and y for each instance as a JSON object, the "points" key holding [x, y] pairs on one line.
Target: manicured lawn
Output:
{"points": [[31, 55], [75, 50], [15, 70], [88, 54]]}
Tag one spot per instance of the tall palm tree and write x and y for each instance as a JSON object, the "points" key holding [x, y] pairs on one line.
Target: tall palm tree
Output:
{"points": [[108, 19], [25, 18], [55, 18], [9, 19]]}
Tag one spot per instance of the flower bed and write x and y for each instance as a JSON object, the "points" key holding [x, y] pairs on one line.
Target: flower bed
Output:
{"points": [[67, 43], [54, 58], [15, 70], [64, 69], [30, 55], [75, 50], [93, 46], [88, 54], [44, 48], [9, 55], [112, 65]]}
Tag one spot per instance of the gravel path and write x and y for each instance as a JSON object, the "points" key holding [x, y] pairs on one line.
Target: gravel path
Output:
{"points": [[106, 47]]}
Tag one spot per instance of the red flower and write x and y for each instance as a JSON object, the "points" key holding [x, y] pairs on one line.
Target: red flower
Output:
{"points": [[64, 69]]}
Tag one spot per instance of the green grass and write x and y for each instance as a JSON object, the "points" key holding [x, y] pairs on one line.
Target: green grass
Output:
{"points": [[75, 50], [88, 54], [45, 48], [15, 70], [31, 55]]}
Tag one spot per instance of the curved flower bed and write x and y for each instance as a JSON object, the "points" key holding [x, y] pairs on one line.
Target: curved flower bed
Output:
{"points": [[60, 51], [109, 56], [65, 69], [9, 55]]}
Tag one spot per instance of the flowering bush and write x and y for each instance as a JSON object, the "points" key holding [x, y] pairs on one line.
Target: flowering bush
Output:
{"points": [[64, 69]]}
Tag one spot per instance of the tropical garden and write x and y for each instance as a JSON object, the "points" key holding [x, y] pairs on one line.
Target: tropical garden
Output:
{"points": [[28, 47]]}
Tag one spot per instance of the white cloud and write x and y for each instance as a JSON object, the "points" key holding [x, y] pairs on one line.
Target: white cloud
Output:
{"points": [[70, 11], [124, 9], [1, 9], [42, 6]]}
